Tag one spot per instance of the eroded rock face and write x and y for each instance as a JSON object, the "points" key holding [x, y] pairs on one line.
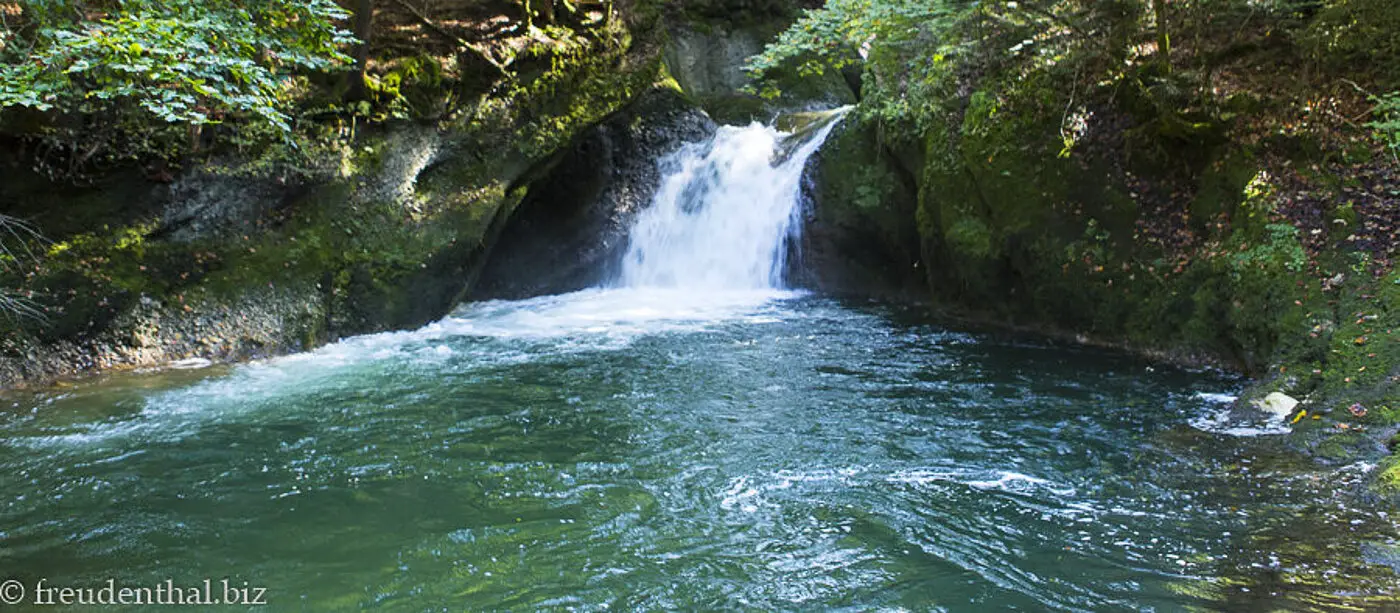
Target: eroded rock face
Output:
{"points": [[570, 230], [208, 206], [712, 63], [217, 204], [246, 257]]}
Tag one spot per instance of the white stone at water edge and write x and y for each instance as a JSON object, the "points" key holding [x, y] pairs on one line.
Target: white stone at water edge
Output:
{"points": [[1278, 404]]}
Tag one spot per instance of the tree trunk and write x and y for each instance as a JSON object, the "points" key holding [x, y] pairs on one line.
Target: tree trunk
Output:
{"points": [[364, 23], [1164, 41]]}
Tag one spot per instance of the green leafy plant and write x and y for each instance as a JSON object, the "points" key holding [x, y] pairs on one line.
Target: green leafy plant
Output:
{"points": [[1280, 248], [903, 44], [116, 70], [1386, 125]]}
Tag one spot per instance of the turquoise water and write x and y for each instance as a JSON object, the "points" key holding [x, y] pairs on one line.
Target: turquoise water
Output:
{"points": [[652, 450]]}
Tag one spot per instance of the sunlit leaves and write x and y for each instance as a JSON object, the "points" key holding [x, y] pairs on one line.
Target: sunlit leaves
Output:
{"points": [[179, 61], [826, 37], [904, 46]]}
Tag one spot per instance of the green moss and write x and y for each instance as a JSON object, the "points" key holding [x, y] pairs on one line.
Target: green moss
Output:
{"points": [[860, 184], [577, 85], [1343, 221], [1344, 446], [1388, 480], [371, 259], [970, 237], [1004, 213], [1363, 352], [413, 88], [789, 86], [85, 281]]}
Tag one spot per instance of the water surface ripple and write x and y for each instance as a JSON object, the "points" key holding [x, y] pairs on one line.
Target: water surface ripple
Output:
{"points": [[654, 450]]}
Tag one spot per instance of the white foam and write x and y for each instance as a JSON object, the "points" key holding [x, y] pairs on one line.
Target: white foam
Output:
{"points": [[1217, 397], [1223, 420], [709, 250], [724, 212], [190, 364], [747, 493], [590, 320], [1007, 481], [1000, 480]]}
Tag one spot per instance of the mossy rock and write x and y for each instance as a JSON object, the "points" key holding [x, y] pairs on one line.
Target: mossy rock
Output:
{"points": [[569, 230], [858, 238]]}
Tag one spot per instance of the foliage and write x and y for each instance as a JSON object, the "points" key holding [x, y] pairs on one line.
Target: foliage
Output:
{"points": [[140, 63], [1281, 248], [1387, 121], [906, 40], [1358, 35]]}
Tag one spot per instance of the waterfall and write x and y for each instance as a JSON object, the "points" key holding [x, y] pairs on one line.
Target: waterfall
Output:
{"points": [[724, 212]]}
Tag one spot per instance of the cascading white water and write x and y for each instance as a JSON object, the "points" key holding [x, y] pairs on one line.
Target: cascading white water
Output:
{"points": [[724, 213]]}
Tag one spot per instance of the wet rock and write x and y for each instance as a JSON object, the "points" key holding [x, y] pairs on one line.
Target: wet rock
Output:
{"points": [[570, 230], [710, 63], [403, 156], [1278, 404], [858, 236], [257, 323]]}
